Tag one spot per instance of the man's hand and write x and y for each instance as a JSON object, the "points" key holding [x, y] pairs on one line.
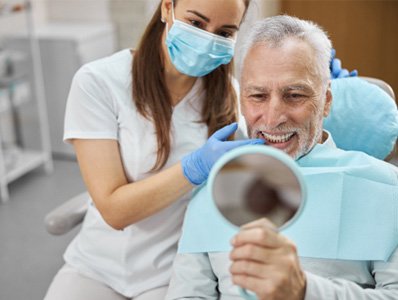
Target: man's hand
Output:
{"points": [[266, 263]]}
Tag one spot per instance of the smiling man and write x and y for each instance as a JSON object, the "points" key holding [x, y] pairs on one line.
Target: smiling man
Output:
{"points": [[285, 91], [285, 95]]}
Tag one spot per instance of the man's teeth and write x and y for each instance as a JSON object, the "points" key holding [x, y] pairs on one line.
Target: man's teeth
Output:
{"points": [[277, 138]]}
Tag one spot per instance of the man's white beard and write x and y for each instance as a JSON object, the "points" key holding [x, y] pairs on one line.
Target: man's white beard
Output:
{"points": [[304, 147]]}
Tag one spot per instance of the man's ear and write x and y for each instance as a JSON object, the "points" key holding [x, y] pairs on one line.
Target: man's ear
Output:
{"points": [[166, 11], [328, 100]]}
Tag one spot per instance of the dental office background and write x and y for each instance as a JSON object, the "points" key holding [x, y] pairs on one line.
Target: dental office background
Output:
{"points": [[44, 42]]}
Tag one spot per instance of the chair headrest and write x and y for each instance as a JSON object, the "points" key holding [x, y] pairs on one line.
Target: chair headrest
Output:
{"points": [[363, 117]]}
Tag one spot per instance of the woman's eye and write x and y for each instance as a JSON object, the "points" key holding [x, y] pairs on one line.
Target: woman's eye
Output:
{"points": [[225, 34], [196, 23]]}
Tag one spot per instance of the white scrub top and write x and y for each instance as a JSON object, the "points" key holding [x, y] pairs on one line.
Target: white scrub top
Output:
{"points": [[100, 106]]}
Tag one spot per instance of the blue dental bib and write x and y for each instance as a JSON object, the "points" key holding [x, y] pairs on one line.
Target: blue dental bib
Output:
{"points": [[351, 210]]}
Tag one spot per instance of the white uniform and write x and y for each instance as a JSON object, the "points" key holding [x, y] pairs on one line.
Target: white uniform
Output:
{"points": [[100, 106]]}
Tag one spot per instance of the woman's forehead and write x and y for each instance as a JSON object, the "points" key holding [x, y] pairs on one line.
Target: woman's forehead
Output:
{"points": [[223, 12]]}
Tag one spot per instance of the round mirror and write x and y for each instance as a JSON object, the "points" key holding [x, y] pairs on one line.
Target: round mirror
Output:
{"points": [[254, 184]]}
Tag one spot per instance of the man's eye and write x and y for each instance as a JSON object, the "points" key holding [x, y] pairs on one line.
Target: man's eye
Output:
{"points": [[295, 96], [257, 97]]}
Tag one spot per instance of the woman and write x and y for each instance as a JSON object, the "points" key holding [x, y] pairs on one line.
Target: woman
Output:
{"points": [[131, 118]]}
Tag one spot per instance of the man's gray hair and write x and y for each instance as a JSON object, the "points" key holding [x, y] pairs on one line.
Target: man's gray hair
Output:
{"points": [[273, 31]]}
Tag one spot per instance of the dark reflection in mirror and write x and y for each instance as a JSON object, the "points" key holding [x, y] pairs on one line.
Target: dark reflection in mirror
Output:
{"points": [[253, 186]]}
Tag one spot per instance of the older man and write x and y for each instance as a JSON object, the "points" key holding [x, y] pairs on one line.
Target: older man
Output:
{"points": [[285, 94]]}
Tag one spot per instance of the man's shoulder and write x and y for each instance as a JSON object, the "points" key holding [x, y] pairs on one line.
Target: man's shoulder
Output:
{"points": [[353, 157], [324, 159], [326, 156], [333, 155]]}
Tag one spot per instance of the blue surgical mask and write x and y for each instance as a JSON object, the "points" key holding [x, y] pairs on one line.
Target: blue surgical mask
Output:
{"points": [[196, 52]]}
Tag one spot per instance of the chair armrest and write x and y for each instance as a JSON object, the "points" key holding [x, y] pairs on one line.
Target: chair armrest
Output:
{"points": [[66, 216]]}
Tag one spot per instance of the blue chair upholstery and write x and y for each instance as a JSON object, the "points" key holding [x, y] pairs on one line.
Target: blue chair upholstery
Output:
{"points": [[363, 117]]}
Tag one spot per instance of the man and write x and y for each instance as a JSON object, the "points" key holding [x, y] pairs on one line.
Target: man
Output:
{"points": [[285, 94]]}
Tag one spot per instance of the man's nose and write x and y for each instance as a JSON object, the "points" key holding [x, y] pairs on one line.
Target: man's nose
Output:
{"points": [[275, 112]]}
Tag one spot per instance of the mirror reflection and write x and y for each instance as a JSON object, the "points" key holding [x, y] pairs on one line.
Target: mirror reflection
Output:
{"points": [[253, 186]]}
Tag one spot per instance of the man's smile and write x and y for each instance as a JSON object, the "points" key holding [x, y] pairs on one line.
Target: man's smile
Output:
{"points": [[277, 140]]}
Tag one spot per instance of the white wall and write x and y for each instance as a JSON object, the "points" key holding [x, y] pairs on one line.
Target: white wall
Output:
{"points": [[17, 21], [40, 11], [78, 10], [270, 7], [129, 17], [258, 9]]}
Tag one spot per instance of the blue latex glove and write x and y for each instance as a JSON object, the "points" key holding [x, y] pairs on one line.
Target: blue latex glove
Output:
{"points": [[196, 165], [335, 68]]}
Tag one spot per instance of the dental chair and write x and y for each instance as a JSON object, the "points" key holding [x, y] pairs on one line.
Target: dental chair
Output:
{"points": [[68, 215], [381, 84]]}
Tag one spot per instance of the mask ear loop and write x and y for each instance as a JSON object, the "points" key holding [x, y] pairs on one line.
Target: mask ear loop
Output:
{"points": [[172, 10], [172, 13]]}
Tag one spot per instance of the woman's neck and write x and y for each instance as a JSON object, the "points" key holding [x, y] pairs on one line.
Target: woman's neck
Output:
{"points": [[178, 85]]}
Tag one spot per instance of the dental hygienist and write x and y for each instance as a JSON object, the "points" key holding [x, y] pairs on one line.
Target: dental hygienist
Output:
{"points": [[140, 123], [135, 120]]}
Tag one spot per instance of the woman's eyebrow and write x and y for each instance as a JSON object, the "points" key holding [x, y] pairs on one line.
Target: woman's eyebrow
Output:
{"points": [[199, 15], [231, 27], [208, 20]]}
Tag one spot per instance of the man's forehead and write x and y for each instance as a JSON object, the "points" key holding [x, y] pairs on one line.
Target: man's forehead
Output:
{"points": [[268, 86], [286, 55], [286, 67]]}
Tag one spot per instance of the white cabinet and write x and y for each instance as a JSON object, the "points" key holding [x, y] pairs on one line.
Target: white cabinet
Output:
{"points": [[16, 90], [65, 47]]}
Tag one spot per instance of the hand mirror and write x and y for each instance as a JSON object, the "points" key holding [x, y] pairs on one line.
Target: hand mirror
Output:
{"points": [[253, 182]]}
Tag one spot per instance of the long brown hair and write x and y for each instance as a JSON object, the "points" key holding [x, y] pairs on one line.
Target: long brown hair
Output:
{"points": [[152, 98]]}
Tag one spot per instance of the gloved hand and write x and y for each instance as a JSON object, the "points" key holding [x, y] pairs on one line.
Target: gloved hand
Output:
{"points": [[196, 165], [335, 68]]}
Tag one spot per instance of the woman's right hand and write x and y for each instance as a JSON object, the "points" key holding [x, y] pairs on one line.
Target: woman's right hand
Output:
{"points": [[336, 71], [196, 165]]}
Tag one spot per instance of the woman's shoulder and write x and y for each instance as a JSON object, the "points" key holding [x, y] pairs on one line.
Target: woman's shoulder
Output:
{"points": [[112, 69]]}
